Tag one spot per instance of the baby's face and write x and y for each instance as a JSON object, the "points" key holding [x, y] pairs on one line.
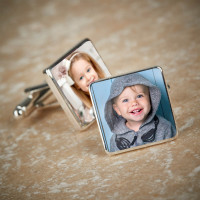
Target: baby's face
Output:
{"points": [[133, 103], [83, 74]]}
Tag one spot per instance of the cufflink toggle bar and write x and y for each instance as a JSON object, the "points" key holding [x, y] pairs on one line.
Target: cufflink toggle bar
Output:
{"points": [[39, 96]]}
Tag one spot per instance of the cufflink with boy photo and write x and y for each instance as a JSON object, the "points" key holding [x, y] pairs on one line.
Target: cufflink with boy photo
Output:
{"points": [[133, 110]]}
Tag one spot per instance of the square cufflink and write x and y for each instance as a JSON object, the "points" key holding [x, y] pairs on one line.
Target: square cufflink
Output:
{"points": [[67, 84]]}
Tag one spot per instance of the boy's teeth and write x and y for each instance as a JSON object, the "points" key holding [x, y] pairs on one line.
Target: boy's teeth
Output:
{"points": [[134, 111]]}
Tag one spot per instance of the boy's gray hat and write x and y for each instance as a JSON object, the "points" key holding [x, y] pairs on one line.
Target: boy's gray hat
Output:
{"points": [[118, 85]]}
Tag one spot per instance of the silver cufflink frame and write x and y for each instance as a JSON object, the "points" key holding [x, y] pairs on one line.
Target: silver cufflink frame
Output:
{"points": [[100, 91], [56, 92]]}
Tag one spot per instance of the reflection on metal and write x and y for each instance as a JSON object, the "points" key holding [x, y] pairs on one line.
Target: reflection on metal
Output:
{"points": [[39, 96]]}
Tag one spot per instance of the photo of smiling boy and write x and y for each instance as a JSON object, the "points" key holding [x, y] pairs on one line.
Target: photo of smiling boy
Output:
{"points": [[130, 112]]}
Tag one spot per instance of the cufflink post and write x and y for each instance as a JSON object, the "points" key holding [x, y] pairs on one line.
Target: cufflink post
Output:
{"points": [[39, 96]]}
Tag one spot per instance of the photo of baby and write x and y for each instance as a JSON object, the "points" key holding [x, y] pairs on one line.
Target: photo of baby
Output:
{"points": [[84, 70], [132, 112], [74, 74]]}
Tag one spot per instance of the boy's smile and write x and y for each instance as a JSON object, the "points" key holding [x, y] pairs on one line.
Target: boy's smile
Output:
{"points": [[133, 104], [136, 111], [83, 74]]}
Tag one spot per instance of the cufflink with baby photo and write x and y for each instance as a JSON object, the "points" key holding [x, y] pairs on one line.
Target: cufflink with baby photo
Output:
{"points": [[70, 77], [133, 110], [67, 85]]}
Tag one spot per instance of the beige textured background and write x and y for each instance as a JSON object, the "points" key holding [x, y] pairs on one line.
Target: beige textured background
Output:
{"points": [[42, 156]]}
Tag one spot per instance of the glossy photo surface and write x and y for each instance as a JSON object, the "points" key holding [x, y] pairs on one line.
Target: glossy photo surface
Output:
{"points": [[70, 78], [133, 110]]}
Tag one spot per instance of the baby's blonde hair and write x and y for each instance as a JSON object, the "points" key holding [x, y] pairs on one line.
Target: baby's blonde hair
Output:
{"points": [[85, 97]]}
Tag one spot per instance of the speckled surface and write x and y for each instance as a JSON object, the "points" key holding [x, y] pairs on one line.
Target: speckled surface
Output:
{"points": [[42, 156]]}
